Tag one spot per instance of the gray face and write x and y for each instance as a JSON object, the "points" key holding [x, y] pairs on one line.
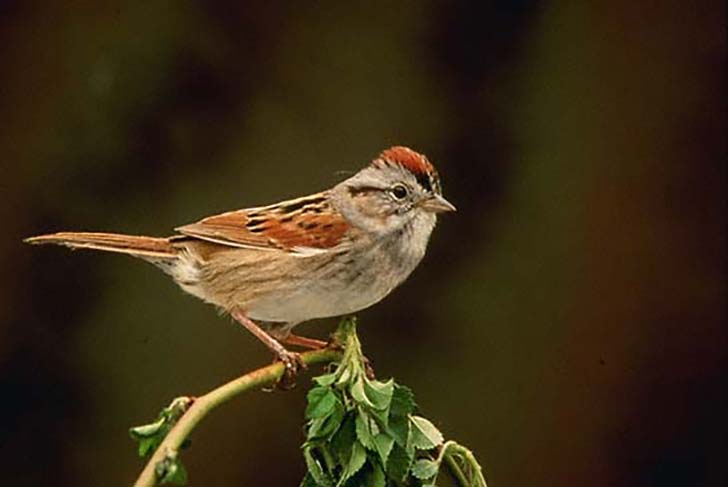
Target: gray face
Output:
{"points": [[384, 199]]}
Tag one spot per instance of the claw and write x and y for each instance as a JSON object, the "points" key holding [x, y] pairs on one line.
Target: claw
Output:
{"points": [[293, 365]]}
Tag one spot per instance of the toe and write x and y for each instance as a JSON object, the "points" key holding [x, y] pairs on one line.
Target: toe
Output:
{"points": [[293, 365]]}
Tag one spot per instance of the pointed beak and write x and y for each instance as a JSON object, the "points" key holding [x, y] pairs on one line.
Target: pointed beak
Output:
{"points": [[437, 204]]}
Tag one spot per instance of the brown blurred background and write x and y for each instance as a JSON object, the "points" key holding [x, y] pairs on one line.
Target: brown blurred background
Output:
{"points": [[568, 323]]}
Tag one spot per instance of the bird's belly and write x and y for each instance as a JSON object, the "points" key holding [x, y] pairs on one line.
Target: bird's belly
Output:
{"points": [[353, 285], [318, 301]]}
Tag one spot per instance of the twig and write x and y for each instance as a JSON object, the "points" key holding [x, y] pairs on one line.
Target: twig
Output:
{"points": [[474, 476], [203, 405], [456, 471]]}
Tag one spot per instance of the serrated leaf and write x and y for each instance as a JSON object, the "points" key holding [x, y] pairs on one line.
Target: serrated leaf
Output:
{"points": [[321, 402], [379, 393], [366, 429], [356, 462], [399, 462], [343, 440], [328, 425], [424, 434], [424, 469], [381, 416], [403, 402], [383, 445], [399, 428]]}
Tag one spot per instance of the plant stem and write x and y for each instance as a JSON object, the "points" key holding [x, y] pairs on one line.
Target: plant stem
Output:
{"points": [[450, 452], [203, 405], [456, 471]]}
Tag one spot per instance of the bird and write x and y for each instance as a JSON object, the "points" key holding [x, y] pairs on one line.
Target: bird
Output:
{"points": [[327, 254]]}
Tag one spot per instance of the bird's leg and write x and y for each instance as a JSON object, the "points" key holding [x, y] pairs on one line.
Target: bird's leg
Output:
{"points": [[291, 360], [305, 342], [282, 333]]}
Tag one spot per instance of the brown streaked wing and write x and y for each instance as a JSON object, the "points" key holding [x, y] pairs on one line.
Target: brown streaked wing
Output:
{"points": [[309, 222]]}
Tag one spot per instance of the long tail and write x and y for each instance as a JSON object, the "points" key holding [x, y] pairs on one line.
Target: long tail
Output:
{"points": [[149, 248]]}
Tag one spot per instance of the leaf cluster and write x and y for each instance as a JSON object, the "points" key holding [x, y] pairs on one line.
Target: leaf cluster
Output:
{"points": [[365, 432]]}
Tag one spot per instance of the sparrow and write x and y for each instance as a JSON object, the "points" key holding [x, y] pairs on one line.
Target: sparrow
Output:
{"points": [[328, 254]]}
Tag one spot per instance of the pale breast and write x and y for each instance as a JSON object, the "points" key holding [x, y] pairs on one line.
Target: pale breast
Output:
{"points": [[350, 282]]}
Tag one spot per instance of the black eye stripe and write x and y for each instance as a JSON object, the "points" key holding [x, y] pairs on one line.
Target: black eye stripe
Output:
{"points": [[424, 180]]}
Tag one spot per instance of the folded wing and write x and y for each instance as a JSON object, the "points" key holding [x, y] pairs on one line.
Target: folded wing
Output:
{"points": [[301, 224]]}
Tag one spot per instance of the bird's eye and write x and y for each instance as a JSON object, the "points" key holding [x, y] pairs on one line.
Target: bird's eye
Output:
{"points": [[399, 191]]}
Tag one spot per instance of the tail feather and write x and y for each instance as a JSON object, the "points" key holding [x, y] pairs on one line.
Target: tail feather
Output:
{"points": [[137, 246]]}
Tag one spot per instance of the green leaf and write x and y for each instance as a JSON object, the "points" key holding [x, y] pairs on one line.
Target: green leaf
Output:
{"points": [[342, 441], [326, 426], [356, 461], [374, 477], [366, 429], [344, 377], [383, 445], [315, 470], [401, 406], [325, 380], [403, 402], [424, 434], [399, 428], [379, 393], [424, 469], [357, 392], [171, 471], [321, 402], [151, 435], [372, 394], [381, 416], [308, 481], [314, 429], [178, 476], [147, 446], [399, 462], [146, 430]]}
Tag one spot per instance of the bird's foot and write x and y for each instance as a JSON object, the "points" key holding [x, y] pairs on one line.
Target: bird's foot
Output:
{"points": [[293, 364]]}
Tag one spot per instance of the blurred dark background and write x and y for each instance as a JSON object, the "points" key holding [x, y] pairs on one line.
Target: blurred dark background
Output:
{"points": [[568, 323]]}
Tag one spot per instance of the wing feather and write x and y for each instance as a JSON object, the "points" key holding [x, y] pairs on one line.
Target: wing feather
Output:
{"points": [[295, 225]]}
